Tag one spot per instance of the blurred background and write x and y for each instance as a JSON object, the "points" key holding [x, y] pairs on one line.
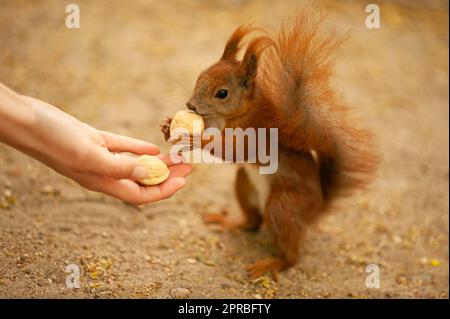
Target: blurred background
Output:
{"points": [[131, 64]]}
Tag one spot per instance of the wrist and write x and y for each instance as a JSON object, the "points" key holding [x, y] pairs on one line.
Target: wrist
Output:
{"points": [[18, 120]]}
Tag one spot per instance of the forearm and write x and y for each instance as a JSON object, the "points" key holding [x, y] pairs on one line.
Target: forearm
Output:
{"points": [[35, 127], [17, 119]]}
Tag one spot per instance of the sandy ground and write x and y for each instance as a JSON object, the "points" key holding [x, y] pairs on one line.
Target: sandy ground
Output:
{"points": [[131, 64]]}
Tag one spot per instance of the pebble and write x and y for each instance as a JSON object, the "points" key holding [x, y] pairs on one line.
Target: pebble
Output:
{"points": [[191, 260], [179, 293], [49, 190], [397, 239]]}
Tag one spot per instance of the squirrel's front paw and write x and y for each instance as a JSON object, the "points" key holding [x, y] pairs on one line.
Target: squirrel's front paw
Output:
{"points": [[165, 127]]}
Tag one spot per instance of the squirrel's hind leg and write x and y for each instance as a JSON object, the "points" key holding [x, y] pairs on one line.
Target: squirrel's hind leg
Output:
{"points": [[288, 213], [251, 217]]}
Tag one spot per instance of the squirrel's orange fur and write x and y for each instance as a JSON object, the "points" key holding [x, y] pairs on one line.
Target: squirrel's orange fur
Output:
{"points": [[295, 79], [283, 82]]}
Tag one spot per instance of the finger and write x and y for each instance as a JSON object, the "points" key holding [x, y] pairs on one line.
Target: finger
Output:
{"points": [[135, 194], [162, 191], [180, 170], [120, 143], [105, 164]]}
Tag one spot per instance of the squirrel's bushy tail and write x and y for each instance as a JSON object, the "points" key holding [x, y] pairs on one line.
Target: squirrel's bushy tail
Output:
{"points": [[294, 76], [350, 164]]}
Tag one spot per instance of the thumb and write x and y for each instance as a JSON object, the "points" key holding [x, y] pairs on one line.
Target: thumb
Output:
{"points": [[119, 166]]}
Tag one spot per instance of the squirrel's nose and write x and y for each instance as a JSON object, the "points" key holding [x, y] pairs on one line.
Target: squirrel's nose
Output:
{"points": [[191, 107]]}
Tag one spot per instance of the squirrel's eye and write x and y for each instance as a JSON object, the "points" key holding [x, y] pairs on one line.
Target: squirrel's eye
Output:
{"points": [[222, 93]]}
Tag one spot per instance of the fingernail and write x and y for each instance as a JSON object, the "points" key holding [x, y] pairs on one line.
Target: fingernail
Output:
{"points": [[139, 172]]}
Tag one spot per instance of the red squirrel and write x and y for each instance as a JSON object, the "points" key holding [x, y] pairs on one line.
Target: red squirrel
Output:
{"points": [[283, 82]]}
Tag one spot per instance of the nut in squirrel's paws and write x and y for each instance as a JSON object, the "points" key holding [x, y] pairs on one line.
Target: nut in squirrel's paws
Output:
{"points": [[158, 171], [183, 123]]}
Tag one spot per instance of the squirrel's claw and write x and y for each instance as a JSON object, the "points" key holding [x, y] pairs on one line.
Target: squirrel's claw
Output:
{"points": [[217, 218], [272, 265], [226, 222], [165, 128]]}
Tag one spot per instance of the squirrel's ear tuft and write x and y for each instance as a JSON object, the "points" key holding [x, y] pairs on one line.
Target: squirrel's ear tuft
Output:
{"points": [[249, 64], [233, 44]]}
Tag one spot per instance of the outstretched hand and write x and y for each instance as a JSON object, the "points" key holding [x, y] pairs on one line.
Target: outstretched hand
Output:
{"points": [[90, 157]]}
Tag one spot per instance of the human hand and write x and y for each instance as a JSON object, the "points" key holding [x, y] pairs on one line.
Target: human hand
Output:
{"points": [[86, 155]]}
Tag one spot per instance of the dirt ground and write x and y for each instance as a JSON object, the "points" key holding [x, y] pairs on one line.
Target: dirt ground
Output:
{"points": [[131, 64]]}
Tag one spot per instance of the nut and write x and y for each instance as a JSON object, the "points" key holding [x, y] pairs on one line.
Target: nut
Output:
{"points": [[158, 171], [187, 120]]}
